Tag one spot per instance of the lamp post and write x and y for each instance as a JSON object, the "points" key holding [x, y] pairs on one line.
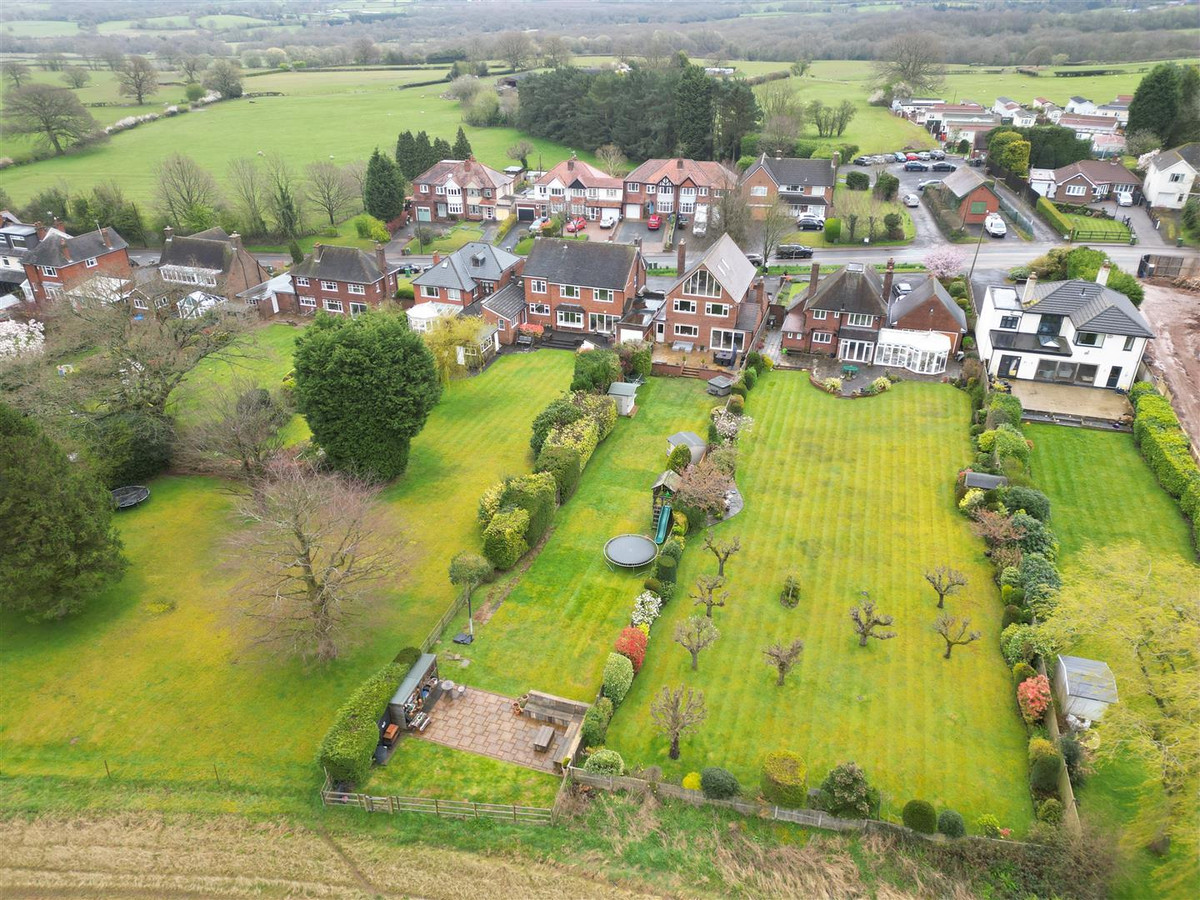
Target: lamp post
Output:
{"points": [[978, 243]]}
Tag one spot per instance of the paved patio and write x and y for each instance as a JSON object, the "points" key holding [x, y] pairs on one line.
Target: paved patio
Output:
{"points": [[1070, 399], [482, 722]]}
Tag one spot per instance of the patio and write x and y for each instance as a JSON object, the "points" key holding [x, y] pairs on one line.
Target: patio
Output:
{"points": [[1070, 400], [482, 722], [822, 366]]}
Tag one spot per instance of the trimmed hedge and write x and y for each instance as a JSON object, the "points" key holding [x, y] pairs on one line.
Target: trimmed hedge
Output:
{"points": [[719, 784], [951, 824], [595, 723], [564, 465], [596, 370], [504, 539], [919, 815], [605, 762], [560, 411], [618, 677], [537, 494], [1056, 219], [582, 436], [785, 779], [1165, 447], [349, 746]]}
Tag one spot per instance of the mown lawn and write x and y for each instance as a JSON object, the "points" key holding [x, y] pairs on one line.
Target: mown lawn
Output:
{"points": [[424, 769], [1103, 494], [849, 496], [449, 240], [1110, 229], [554, 631], [160, 678]]}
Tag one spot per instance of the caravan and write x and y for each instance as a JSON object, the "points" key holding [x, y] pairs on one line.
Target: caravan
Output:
{"points": [[700, 225]]}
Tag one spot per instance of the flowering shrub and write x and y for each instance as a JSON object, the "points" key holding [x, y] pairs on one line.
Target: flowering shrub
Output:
{"points": [[988, 825], [534, 331], [832, 385], [644, 629], [1033, 695], [646, 608], [691, 781], [18, 338], [971, 501], [880, 384], [631, 644], [728, 424]]}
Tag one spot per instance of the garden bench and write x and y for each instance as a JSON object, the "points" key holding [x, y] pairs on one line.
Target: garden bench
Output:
{"points": [[543, 739]]}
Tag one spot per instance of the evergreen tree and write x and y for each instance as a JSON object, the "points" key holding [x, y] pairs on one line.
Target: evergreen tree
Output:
{"points": [[1187, 123], [694, 113], [462, 146], [406, 155], [1155, 103], [366, 386], [737, 114], [383, 188], [442, 150], [424, 156], [58, 548]]}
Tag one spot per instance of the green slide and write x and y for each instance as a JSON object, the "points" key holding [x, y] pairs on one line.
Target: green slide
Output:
{"points": [[664, 524]]}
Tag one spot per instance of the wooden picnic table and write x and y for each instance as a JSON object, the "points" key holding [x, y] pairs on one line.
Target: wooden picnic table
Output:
{"points": [[543, 739]]}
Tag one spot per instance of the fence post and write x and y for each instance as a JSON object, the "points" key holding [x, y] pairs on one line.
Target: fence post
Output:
{"points": [[392, 805], [514, 812], [436, 810], [476, 806]]}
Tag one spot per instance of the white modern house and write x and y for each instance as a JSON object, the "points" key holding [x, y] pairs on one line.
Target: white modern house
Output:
{"points": [[1171, 176], [1062, 332]]}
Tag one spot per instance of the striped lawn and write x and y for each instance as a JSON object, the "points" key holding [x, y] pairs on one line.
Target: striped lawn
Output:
{"points": [[851, 496]]}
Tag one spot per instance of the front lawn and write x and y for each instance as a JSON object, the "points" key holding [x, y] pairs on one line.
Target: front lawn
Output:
{"points": [[448, 241], [1097, 229], [849, 496]]}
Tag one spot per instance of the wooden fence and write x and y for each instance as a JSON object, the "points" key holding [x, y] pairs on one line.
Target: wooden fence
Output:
{"points": [[436, 633], [449, 809]]}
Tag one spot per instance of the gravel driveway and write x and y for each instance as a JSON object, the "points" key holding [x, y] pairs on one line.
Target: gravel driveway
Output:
{"points": [[1175, 353]]}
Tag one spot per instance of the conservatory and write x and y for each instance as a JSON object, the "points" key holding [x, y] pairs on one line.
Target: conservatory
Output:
{"points": [[923, 352]]}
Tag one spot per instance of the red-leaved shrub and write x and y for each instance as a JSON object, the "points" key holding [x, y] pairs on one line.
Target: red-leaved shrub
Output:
{"points": [[632, 644], [1033, 695]]}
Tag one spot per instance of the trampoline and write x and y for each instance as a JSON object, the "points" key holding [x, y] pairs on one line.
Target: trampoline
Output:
{"points": [[130, 496], [630, 551]]}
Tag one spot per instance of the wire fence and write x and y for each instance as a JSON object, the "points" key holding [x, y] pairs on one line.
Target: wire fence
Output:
{"points": [[447, 809]]}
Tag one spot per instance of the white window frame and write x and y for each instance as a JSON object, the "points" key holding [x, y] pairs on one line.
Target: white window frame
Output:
{"points": [[702, 283], [424, 189], [569, 291], [703, 192], [822, 337], [301, 282], [819, 315], [430, 292], [454, 295], [650, 188], [358, 289], [1076, 190], [716, 309], [685, 306], [332, 305], [48, 271], [1089, 339], [860, 320], [539, 309], [329, 285], [686, 331], [758, 190], [90, 263], [568, 318], [537, 285], [602, 295], [633, 187], [139, 303], [310, 302], [357, 308]]}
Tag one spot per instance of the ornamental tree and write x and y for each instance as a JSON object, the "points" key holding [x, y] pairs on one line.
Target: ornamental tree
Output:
{"points": [[944, 262], [677, 712], [366, 385], [694, 635], [722, 550], [945, 581], [703, 486], [867, 622], [706, 593], [954, 632], [1033, 695], [783, 658]]}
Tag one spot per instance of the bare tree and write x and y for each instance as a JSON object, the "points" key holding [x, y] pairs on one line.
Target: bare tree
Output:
{"points": [[782, 117], [913, 58], [676, 713], [51, 113], [706, 594], [184, 187], [722, 550], [945, 581], [16, 73], [329, 188], [868, 622], [192, 66], [731, 216], [137, 79], [364, 51], [357, 172], [775, 226], [611, 159], [515, 48], [954, 632], [555, 52], [248, 183], [312, 557], [283, 197], [76, 76], [239, 431], [694, 635], [113, 58], [783, 658], [843, 113]]}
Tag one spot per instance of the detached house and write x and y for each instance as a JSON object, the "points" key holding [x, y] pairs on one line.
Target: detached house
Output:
{"points": [[16, 239], [342, 280], [466, 276], [665, 186], [1011, 112], [455, 189], [575, 188], [840, 314], [211, 263], [1171, 176], [718, 303], [1086, 181], [1066, 332], [578, 287], [955, 121], [805, 185], [60, 263]]}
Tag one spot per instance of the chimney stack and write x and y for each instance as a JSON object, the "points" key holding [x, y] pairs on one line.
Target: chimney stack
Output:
{"points": [[1103, 273], [437, 257], [760, 293], [40, 229], [1027, 294], [888, 276], [317, 248], [571, 163], [679, 163], [812, 278], [236, 240], [778, 153], [681, 258], [168, 233], [107, 238], [380, 258]]}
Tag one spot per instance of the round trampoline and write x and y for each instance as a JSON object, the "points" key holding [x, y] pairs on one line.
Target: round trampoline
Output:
{"points": [[630, 551], [129, 496]]}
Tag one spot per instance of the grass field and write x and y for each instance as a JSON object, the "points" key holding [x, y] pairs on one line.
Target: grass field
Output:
{"points": [[849, 496], [1070, 465], [424, 769], [159, 678]]}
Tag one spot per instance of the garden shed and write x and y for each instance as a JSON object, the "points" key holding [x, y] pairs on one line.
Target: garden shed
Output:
{"points": [[416, 696], [693, 441], [625, 394], [983, 481], [1084, 688]]}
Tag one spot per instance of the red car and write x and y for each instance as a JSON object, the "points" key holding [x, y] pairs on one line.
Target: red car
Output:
{"points": [[654, 222], [911, 156], [576, 224]]}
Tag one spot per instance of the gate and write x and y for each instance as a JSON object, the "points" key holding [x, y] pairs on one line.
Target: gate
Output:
{"points": [[1157, 265]]}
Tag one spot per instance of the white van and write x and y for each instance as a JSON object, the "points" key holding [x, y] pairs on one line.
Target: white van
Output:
{"points": [[700, 222], [1124, 198], [994, 225]]}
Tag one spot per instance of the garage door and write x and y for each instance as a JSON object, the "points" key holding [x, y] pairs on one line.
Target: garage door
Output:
{"points": [[633, 211], [525, 214], [423, 214]]}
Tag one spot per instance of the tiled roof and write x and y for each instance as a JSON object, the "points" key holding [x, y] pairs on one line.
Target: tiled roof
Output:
{"points": [[789, 170], [466, 172], [599, 265], [1097, 171], [728, 264], [918, 297], [1090, 307], [1189, 153], [197, 252], [508, 302], [576, 171], [678, 170], [464, 267], [963, 181], [56, 250], [332, 263], [1075, 119], [855, 288]]}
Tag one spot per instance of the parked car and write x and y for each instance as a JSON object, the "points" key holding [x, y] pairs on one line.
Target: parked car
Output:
{"points": [[924, 154], [574, 224], [911, 156], [793, 251], [994, 225], [536, 226], [756, 259], [609, 217], [900, 156], [682, 221], [1124, 198], [916, 166], [810, 223], [912, 200], [862, 160], [937, 154], [900, 288], [654, 222], [943, 167], [928, 182]]}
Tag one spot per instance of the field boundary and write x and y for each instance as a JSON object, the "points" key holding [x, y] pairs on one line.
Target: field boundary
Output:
{"points": [[449, 809]]}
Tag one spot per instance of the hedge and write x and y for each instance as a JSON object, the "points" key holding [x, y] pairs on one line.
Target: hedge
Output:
{"points": [[618, 677], [565, 465], [596, 370], [785, 779], [560, 411], [349, 746], [919, 815], [1165, 446], [605, 762], [504, 539], [582, 435], [1052, 215], [537, 495], [595, 723]]}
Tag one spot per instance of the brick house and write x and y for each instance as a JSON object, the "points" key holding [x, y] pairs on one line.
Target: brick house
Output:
{"points": [[468, 275], [60, 263], [212, 260], [341, 280], [840, 314], [575, 188], [581, 287], [972, 195], [458, 189], [506, 311], [805, 185], [928, 308], [1089, 180], [718, 303], [665, 186]]}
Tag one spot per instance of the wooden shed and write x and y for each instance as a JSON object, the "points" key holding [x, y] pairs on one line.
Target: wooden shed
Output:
{"points": [[1084, 688], [625, 394], [694, 442]]}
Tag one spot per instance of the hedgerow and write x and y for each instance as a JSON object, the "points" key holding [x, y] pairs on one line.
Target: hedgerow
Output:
{"points": [[349, 746]]}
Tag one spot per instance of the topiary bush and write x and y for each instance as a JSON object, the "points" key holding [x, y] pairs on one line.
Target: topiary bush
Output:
{"points": [[750, 377], [504, 538], [719, 784], [919, 815], [785, 779], [595, 723], [1043, 773], [605, 762], [692, 781], [833, 230], [631, 643], [845, 793], [1050, 811], [618, 677], [348, 748], [951, 824]]}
